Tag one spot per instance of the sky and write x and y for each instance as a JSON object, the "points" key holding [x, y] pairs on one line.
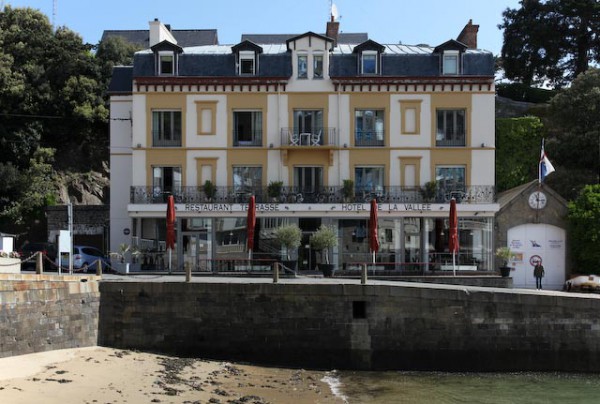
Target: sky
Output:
{"points": [[410, 22]]}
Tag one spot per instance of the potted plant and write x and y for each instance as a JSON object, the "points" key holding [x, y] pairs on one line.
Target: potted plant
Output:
{"points": [[126, 253], [429, 190], [348, 190], [505, 254], [210, 190], [274, 189], [289, 237], [322, 240]]}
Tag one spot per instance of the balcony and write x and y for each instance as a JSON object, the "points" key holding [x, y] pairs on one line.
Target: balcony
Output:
{"points": [[319, 137], [371, 138], [161, 139], [251, 138], [477, 194], [450, 141]]}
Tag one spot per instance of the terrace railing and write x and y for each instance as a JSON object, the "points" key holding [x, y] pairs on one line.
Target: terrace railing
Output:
{"points": [[476, 194]]}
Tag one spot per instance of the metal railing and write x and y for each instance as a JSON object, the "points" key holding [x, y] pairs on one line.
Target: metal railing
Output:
{"points": [[456, 141], [159, 140], [371, 138], [293, 137], [251, 138], [476, 194]]}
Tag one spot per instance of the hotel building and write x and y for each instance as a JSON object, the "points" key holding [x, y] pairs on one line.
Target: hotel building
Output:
{"points": [[315, 126]]}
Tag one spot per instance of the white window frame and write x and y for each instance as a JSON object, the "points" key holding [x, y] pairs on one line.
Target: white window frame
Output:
{"points": [[362, 61], [162, 54], [453, 58], [317, 56], [167, 134], [453, 133], [451, 182], [298, 58], [244, 56]]}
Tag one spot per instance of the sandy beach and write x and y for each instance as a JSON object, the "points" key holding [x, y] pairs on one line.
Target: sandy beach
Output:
{"points": [[106, 375]]}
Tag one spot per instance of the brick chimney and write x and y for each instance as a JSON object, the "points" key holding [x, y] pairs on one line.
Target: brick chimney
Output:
{"points": [[333, 28], [468, 35]]}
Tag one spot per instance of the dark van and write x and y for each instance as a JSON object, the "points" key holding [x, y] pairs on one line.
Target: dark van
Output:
{"points": [[49, 251]]}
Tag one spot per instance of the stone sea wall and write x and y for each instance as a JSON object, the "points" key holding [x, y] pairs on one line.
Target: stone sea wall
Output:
{"points": [[350, 326], [46, 312]]}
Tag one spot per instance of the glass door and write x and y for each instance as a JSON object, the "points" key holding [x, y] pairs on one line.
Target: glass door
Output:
{"points": [[196, 251], [308, 179], [412, 244]]}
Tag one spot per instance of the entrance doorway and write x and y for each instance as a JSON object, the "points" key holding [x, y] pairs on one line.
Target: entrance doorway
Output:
{"points": [[306, 255], [196, 251]]}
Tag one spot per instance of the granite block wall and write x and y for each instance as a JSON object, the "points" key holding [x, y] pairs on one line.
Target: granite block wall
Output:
{"points": [[400, 326], [47, 312]]}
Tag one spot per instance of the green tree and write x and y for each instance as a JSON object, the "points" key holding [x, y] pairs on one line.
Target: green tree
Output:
{"points": [[550, 41], [53, 112], [33, 189], [517, 150], [584, 218], [574, 125], [113, 51]]}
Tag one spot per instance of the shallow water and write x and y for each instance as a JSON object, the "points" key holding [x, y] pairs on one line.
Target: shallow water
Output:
{"points": [[446, 388]]}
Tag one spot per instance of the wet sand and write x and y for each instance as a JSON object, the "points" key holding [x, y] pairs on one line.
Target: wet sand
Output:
{"points": [[106, 375]]}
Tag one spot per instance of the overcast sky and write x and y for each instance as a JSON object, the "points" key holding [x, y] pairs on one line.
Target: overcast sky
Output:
{"points": [[386, 21]]}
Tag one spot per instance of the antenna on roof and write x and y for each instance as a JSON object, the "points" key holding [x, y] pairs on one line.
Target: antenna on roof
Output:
{"points": [[54, 7], [335, 15]]}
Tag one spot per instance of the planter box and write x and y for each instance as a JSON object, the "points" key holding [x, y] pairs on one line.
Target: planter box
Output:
{"points": [[10, 265]]}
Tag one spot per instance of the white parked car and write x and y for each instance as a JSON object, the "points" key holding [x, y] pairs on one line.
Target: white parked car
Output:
{"points": [[583, 283]]}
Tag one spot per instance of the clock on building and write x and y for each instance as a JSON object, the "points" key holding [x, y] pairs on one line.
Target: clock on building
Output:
{"points": [[537, 200]]}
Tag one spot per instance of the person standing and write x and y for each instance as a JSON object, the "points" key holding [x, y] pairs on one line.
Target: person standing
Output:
{"points": [[538, 273]]}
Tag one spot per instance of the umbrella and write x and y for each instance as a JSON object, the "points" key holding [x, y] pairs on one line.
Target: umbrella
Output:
{"points": [[453, 240], [250, 224], [373, 239], [170, 244]]}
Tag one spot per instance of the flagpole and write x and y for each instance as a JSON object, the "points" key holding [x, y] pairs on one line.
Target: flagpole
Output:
{"points": [[540, 165]]}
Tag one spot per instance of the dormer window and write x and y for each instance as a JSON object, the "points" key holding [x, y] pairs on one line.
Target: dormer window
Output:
{"points": [[166, 55], [246, 58], [450, 63], [450, 56], [369, 62], [247, 63], [166, 63], [369, 57]]}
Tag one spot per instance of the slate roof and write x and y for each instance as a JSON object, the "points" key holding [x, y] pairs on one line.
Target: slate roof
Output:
{"points": [[184, 37], [121, 81], [343, 38]]}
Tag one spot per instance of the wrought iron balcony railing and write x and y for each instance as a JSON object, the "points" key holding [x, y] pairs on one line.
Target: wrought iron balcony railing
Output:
{"points": [[292, 137], [476, 194], [371, 138], [455, 141], [247, 139], [160, 139]]}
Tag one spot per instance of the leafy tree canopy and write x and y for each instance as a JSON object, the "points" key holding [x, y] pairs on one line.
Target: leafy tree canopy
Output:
{"points": [[53, 110], [574, 127], [584, 218], [517, 151], [550, 41]]}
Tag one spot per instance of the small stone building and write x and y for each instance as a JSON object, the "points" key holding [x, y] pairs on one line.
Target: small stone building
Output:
{"points": [[90, 224], [532, 221]]}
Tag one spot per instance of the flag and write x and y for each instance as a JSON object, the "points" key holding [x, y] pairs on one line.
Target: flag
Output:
{"points": [[545, 166]]}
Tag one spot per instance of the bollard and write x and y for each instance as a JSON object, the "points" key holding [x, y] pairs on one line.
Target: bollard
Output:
{"points": [[39, 263], [188, 273], [99, 268], [276, 272], [363, 275]]}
